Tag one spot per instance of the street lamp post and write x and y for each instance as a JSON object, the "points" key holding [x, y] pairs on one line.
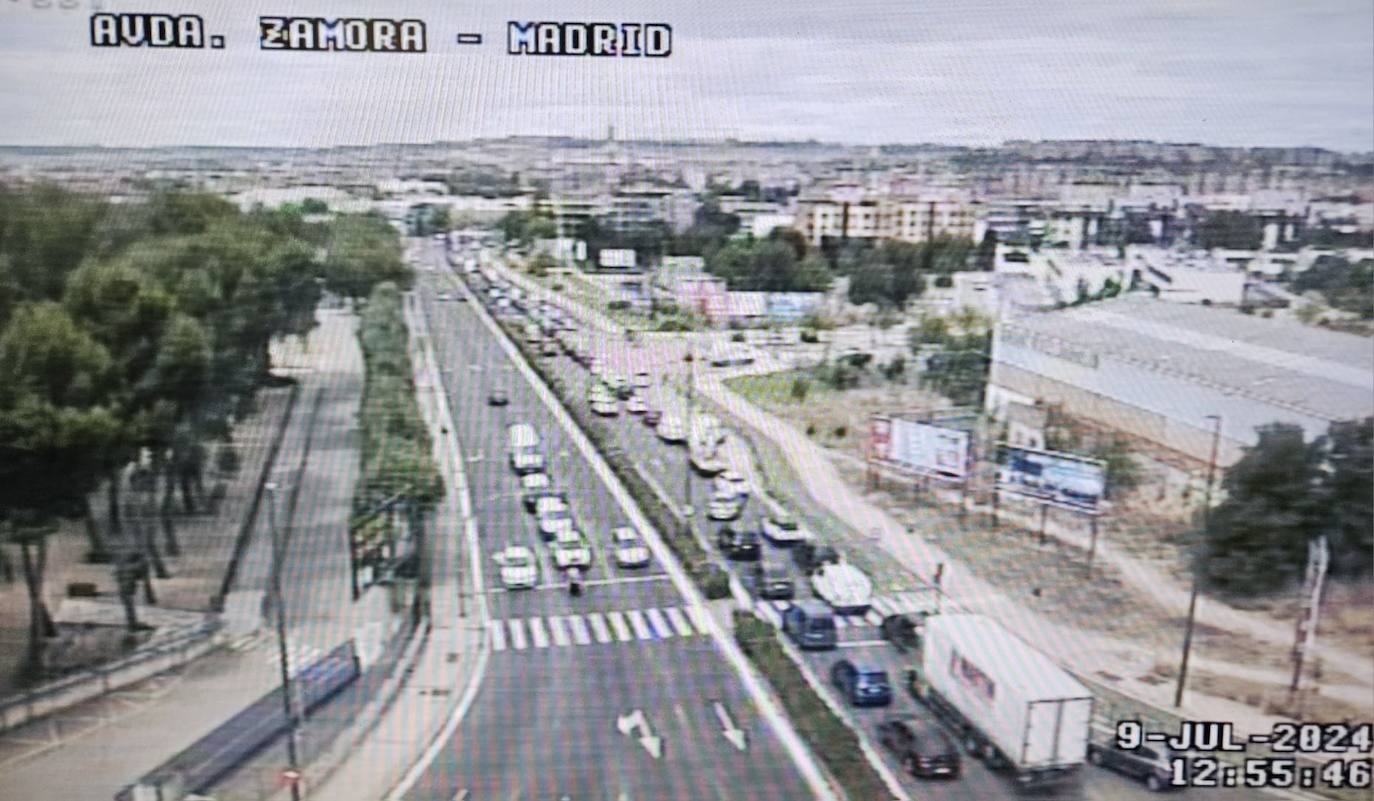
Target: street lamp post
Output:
{"points": [[1192, 597], [292, 753], [691, 390]]}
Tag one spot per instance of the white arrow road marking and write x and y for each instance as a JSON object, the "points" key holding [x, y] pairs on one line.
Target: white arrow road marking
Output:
{"points": [[733, 733], [636, 720]]}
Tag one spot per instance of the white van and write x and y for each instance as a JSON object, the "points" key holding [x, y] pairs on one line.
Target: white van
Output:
{"points": [[524, 444]]}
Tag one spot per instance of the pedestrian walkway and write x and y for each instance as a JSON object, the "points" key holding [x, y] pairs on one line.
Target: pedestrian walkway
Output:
{"points": [[602, 628], [131, 741]]}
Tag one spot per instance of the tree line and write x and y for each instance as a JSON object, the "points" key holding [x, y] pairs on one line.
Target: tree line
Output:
{"points": [[1281, 494], [131, 336]]}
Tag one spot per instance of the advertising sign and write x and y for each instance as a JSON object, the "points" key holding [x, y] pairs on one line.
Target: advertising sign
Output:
{"points": [[929, 449], [616, 257], [1057, 478]]}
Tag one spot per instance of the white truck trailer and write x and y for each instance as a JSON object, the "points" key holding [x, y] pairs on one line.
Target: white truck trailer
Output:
{"points": [[1009, 703]]}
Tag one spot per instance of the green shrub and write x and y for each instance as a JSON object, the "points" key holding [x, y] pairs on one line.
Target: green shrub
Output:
{"points": [[227, 459], [738, 336], [713, 580], [618, 305], [831, 740], [809, 337], [800, 388]]}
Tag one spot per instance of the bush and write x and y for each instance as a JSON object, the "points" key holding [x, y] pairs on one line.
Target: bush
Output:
{"points": [[859, 360], [809, 337], [618, 305], [944, 281], [831, 740], [800, 388], [841, 432], [738, 336], [810, 430], [714, 581]]}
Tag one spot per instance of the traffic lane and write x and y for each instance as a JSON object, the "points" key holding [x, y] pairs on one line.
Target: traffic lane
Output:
{"points": [[977, 781], [544, 724], [619, 595]]}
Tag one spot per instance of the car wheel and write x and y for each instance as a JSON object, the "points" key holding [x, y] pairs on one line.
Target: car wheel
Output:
{"points": [[1153, 783], [1095, 757], [972, 746]]}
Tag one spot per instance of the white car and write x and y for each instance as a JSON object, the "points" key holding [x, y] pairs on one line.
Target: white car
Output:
{"points": [[519, 568], [636, 405], [781, 529], [553, 515], [534, 481], [570, 549], [724, 507], [845, 587], [630, 550], [706, 461], [731, 483], [606, 408], [671, 429], [641, 380]]}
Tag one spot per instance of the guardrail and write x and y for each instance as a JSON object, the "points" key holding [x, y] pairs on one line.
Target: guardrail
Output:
{"points": [[97, 681], [197, 768]]}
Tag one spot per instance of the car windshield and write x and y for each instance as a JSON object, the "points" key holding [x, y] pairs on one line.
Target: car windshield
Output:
{"points": [[517, 559], [871, 677]]}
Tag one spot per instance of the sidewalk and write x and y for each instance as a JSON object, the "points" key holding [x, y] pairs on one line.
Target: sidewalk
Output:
{"points": [[150, 723], [417, 718]]}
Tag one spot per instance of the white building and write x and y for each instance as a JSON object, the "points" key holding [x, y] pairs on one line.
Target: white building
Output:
{"points": [[1156, 370]]}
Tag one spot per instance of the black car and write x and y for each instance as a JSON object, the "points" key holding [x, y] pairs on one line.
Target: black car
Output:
{"points": [[773, 581], [740, 544], [1147, 763], [810, 555], [861, 684], [498, 397], [903, 630], [923, 748]]}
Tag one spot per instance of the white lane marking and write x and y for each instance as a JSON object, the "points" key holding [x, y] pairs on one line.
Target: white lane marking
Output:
{"points": [[679, 621], [560, 634], [873, 618], [537, 633], [599, 629], [860, 643], [637, 623], [498, 635], [698, 618], [622, 630], [580, 634], [517, 635], [660, 625]]}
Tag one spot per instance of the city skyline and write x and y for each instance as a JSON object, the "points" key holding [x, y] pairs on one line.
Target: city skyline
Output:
{"points": [[1223, 74]]}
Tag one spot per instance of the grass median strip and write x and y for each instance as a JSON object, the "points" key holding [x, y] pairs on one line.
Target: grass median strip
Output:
{"points": [[830, 738]]}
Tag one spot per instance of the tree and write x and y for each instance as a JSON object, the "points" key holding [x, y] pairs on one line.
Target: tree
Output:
{"points": [[53, 432], [1346, 286], [986, 257], [871, 282], [362, 251], [1344, 493], [1257, 538], [930, 330]]}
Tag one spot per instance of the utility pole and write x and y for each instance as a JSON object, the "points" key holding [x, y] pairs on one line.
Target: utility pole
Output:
{"points": [[691, 390], [1318, 558], [292, 753], [1192, 598]]}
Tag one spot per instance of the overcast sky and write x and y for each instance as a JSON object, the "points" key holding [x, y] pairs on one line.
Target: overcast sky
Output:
{"points": [[1232, 72]]}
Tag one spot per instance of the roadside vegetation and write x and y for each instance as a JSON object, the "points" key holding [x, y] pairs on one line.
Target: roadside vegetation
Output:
{"points": [[834, 742], [132, 336]]}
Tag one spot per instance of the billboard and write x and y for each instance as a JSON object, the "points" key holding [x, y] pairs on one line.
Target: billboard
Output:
{"points": [[1057, 478], [616, 257], [929, 449]]}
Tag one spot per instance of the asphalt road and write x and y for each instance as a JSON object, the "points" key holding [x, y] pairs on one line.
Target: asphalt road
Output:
{"points": [[567, 674], [859, 637]]}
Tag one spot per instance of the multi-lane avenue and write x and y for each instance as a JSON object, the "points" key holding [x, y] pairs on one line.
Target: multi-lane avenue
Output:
{"points": [[619, 693]]}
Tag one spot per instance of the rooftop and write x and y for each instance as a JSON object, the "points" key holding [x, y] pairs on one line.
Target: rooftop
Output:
{"points": [[1281, 361]]}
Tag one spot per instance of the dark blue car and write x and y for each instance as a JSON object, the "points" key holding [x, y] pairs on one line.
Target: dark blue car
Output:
{"points": [[863, 685]]}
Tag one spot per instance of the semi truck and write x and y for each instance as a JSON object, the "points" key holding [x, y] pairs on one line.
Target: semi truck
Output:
{"points": [[1009, 704]]}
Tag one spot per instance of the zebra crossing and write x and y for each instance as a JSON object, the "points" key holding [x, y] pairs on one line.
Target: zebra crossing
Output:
{"points": [[882, 606], [601, 628]]}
